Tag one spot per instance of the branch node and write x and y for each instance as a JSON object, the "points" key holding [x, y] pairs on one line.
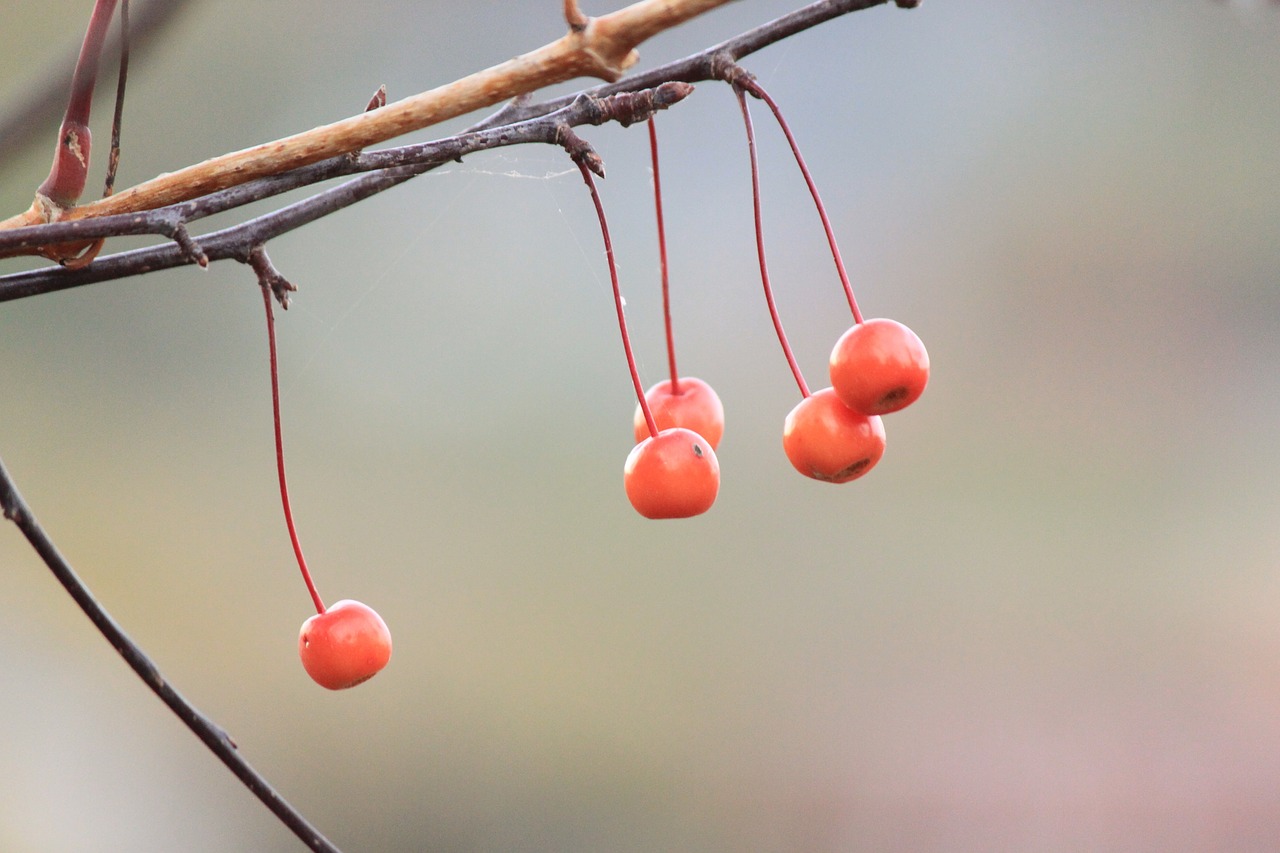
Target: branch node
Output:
{"points": [[190, 248], [579, 150], [724, 67], [269, 276]]}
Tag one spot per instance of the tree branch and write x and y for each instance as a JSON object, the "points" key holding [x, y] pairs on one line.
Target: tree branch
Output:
{"points": [[604, 48], [516, 123], [214, 737], [385, 169]]}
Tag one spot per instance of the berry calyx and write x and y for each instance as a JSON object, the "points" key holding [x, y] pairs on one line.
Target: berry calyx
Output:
{"points": [[689, 402], [828, 441], [673, 474], [345, 645], [879, 366]]}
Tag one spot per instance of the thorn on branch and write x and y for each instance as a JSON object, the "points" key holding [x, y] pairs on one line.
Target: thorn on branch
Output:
{"points": [[379, 99], [579, 150], [190, 248], [269, 276], [226, 738], [573, 16]]}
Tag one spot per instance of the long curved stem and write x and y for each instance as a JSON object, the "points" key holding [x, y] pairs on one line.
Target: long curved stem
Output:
{"points": [[764, 266], [604, 49], [117, 117], [754, 87], [662, 259], [617, 298], [212, 735], [284, 483]]}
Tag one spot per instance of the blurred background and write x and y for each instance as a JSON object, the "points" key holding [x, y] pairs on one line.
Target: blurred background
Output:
{"points": [[1047, 621]]}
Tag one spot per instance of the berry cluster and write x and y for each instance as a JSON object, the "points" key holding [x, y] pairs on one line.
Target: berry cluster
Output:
{"points": [[834, 435]]}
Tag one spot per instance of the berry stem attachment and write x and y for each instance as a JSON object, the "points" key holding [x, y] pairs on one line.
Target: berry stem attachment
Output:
{"points": [[662, 259], [751, 85], [284, 485], [764, 267], [617, 295]]}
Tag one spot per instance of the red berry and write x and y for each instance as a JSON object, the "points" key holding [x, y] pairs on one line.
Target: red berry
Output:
{"points": [[696, 407], [828, 441], [672, 475], [347, 644], [879, 366]]}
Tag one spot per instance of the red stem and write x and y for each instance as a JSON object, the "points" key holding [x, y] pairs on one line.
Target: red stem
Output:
{"points": [[617, 298], [70, 166], [755, 88], [662, 258], [764, 267], [284, 486]]}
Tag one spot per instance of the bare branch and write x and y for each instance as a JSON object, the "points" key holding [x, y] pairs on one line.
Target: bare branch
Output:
{"points": [[510, 124], [604, 48], [213, 736], [385, 169]]}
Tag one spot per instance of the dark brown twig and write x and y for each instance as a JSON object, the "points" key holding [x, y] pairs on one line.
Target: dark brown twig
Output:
{"points": [[698, 67], [219, 743], [36, 114], [117, 118], [518, 124]]}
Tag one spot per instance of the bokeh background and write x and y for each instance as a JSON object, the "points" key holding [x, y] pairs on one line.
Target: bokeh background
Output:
{"points": [[1049, 620]]}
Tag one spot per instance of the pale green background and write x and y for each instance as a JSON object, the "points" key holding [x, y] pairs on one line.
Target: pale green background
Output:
{"points": [[1049, 620]]}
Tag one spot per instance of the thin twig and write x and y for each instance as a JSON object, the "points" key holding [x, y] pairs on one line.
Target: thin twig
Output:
{"points": [[213, 736], [117, 117], [37, 112], [698, 67]]}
